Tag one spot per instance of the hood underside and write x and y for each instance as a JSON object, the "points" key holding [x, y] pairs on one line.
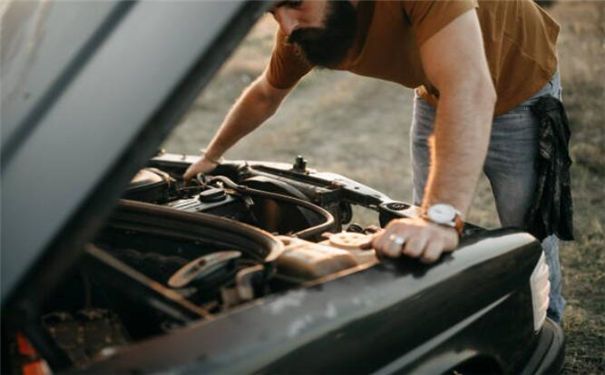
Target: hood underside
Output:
{"points": [[89, 92]]}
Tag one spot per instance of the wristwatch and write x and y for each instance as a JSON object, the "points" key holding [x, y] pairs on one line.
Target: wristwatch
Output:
{"points": [[445, 214]]}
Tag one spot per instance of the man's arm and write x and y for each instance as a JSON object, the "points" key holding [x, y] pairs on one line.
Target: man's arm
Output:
{"points": [[454, 62], [256, 104]]}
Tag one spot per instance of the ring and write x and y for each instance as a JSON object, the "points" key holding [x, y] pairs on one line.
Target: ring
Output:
{"points": [[398, 240]]}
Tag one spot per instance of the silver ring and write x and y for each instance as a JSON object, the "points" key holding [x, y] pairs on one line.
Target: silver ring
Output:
{"points": [[398, 240]]}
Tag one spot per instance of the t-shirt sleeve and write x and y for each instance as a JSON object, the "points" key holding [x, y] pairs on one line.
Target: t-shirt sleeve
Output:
{"points": [[287, 65], [427, 17]]}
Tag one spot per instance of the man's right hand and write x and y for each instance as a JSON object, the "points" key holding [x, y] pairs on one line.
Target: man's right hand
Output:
{"points": [[203, 165], [258, 102]]}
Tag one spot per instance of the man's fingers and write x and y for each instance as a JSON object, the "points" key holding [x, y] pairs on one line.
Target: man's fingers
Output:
{"points": [[190, 172], [201, 166], [391, 249], [432, 252], [451, 242], [415, 245], [413, 238], [187, 175], [385, 245], [369, 244]]}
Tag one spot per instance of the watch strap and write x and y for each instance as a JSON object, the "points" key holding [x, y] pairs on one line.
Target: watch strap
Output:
{"points": [[458, 224]]}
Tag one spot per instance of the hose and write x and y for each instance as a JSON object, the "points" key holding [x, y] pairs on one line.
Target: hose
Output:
{"points": [[305, 233]]}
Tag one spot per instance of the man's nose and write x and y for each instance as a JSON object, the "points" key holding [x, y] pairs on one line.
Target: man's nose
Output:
{"points": [[286, 22]]}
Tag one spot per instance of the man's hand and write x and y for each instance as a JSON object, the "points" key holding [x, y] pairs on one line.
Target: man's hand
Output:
{"points": [[203, 165], [257, 103], [422, 239]]}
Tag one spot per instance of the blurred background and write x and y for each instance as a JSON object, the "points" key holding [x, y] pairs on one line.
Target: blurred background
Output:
{"points": [[359, 127]]}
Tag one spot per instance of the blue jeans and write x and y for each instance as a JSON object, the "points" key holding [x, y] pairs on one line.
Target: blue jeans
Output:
{"points": [[509, 166]]}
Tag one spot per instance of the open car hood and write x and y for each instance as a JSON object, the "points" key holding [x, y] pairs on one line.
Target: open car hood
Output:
{"points": [[89, 92]]}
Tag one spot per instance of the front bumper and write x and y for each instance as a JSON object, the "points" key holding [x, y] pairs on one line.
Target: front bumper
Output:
{"points": [[550, 351]]}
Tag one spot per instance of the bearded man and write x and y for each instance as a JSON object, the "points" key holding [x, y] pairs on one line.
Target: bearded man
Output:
{"points": [[476, 69]]}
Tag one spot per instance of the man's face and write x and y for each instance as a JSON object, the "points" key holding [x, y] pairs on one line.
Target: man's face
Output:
{"points": [[324, 30]]}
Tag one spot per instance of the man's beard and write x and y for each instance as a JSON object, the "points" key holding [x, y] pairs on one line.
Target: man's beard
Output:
{"points": [[327, 46]]}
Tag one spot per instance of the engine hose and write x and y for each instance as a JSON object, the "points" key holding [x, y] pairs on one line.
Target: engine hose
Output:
{"points": [[305, 233]]}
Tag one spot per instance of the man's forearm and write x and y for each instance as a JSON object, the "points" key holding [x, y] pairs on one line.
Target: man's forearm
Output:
{"points": [[256, 104], [459, 144]]}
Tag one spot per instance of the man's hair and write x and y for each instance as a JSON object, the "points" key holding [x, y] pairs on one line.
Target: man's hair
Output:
{"points": [[327, 46]]}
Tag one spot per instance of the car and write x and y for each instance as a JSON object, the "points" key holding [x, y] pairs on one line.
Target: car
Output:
{"points": [[111, 263]]}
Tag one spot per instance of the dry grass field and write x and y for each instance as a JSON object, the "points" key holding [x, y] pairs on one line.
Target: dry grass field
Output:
{"points": [[359, 127]]}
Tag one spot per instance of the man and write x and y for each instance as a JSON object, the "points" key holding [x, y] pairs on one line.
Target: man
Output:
{"points": [[471, 64]]}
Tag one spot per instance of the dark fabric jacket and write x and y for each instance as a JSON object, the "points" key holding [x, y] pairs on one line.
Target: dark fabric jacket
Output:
{"points": [[551, 210]]}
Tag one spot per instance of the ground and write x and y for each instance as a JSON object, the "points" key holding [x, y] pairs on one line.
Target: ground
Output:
{"points": [[359, 127]]}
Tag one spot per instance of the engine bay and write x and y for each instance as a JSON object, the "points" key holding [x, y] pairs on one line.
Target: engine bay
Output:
{"points": [[173, 253]]}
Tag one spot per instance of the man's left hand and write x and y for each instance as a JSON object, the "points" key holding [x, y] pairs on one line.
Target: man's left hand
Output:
{"points": [[421, 239]]}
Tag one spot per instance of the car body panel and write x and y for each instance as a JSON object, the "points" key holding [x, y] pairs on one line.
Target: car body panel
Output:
{"points": [[33, 32], [328, 321]]}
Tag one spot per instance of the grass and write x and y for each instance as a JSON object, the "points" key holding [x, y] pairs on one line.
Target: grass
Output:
{"points": [[584, 259]]}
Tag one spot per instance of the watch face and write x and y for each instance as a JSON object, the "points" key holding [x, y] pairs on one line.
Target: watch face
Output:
{"points": [[441, 213]]}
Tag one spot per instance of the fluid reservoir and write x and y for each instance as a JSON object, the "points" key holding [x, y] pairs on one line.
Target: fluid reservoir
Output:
{"points": [[308, 261], [352, 243]]}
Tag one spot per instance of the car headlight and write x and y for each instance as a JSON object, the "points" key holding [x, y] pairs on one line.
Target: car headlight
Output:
{"points": [[540, 289]]}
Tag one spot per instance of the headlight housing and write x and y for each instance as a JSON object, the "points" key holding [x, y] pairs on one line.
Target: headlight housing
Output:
{"points": [[540, 289]]}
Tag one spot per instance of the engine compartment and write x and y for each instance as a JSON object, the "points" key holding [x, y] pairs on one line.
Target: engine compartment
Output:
{"points": [[172, 253]]}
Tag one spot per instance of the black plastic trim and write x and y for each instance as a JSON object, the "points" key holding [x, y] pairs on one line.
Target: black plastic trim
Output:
{"points": [[550, 351]]}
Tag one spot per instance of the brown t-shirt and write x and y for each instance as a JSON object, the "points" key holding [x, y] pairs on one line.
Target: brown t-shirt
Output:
{"points": [[519, 37]]}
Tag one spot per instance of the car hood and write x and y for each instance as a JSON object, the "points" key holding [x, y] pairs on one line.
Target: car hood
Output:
{"points": [[89, 92]]}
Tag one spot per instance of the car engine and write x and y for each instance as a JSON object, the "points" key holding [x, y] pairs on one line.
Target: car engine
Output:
{"points": [[173, 253]]}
